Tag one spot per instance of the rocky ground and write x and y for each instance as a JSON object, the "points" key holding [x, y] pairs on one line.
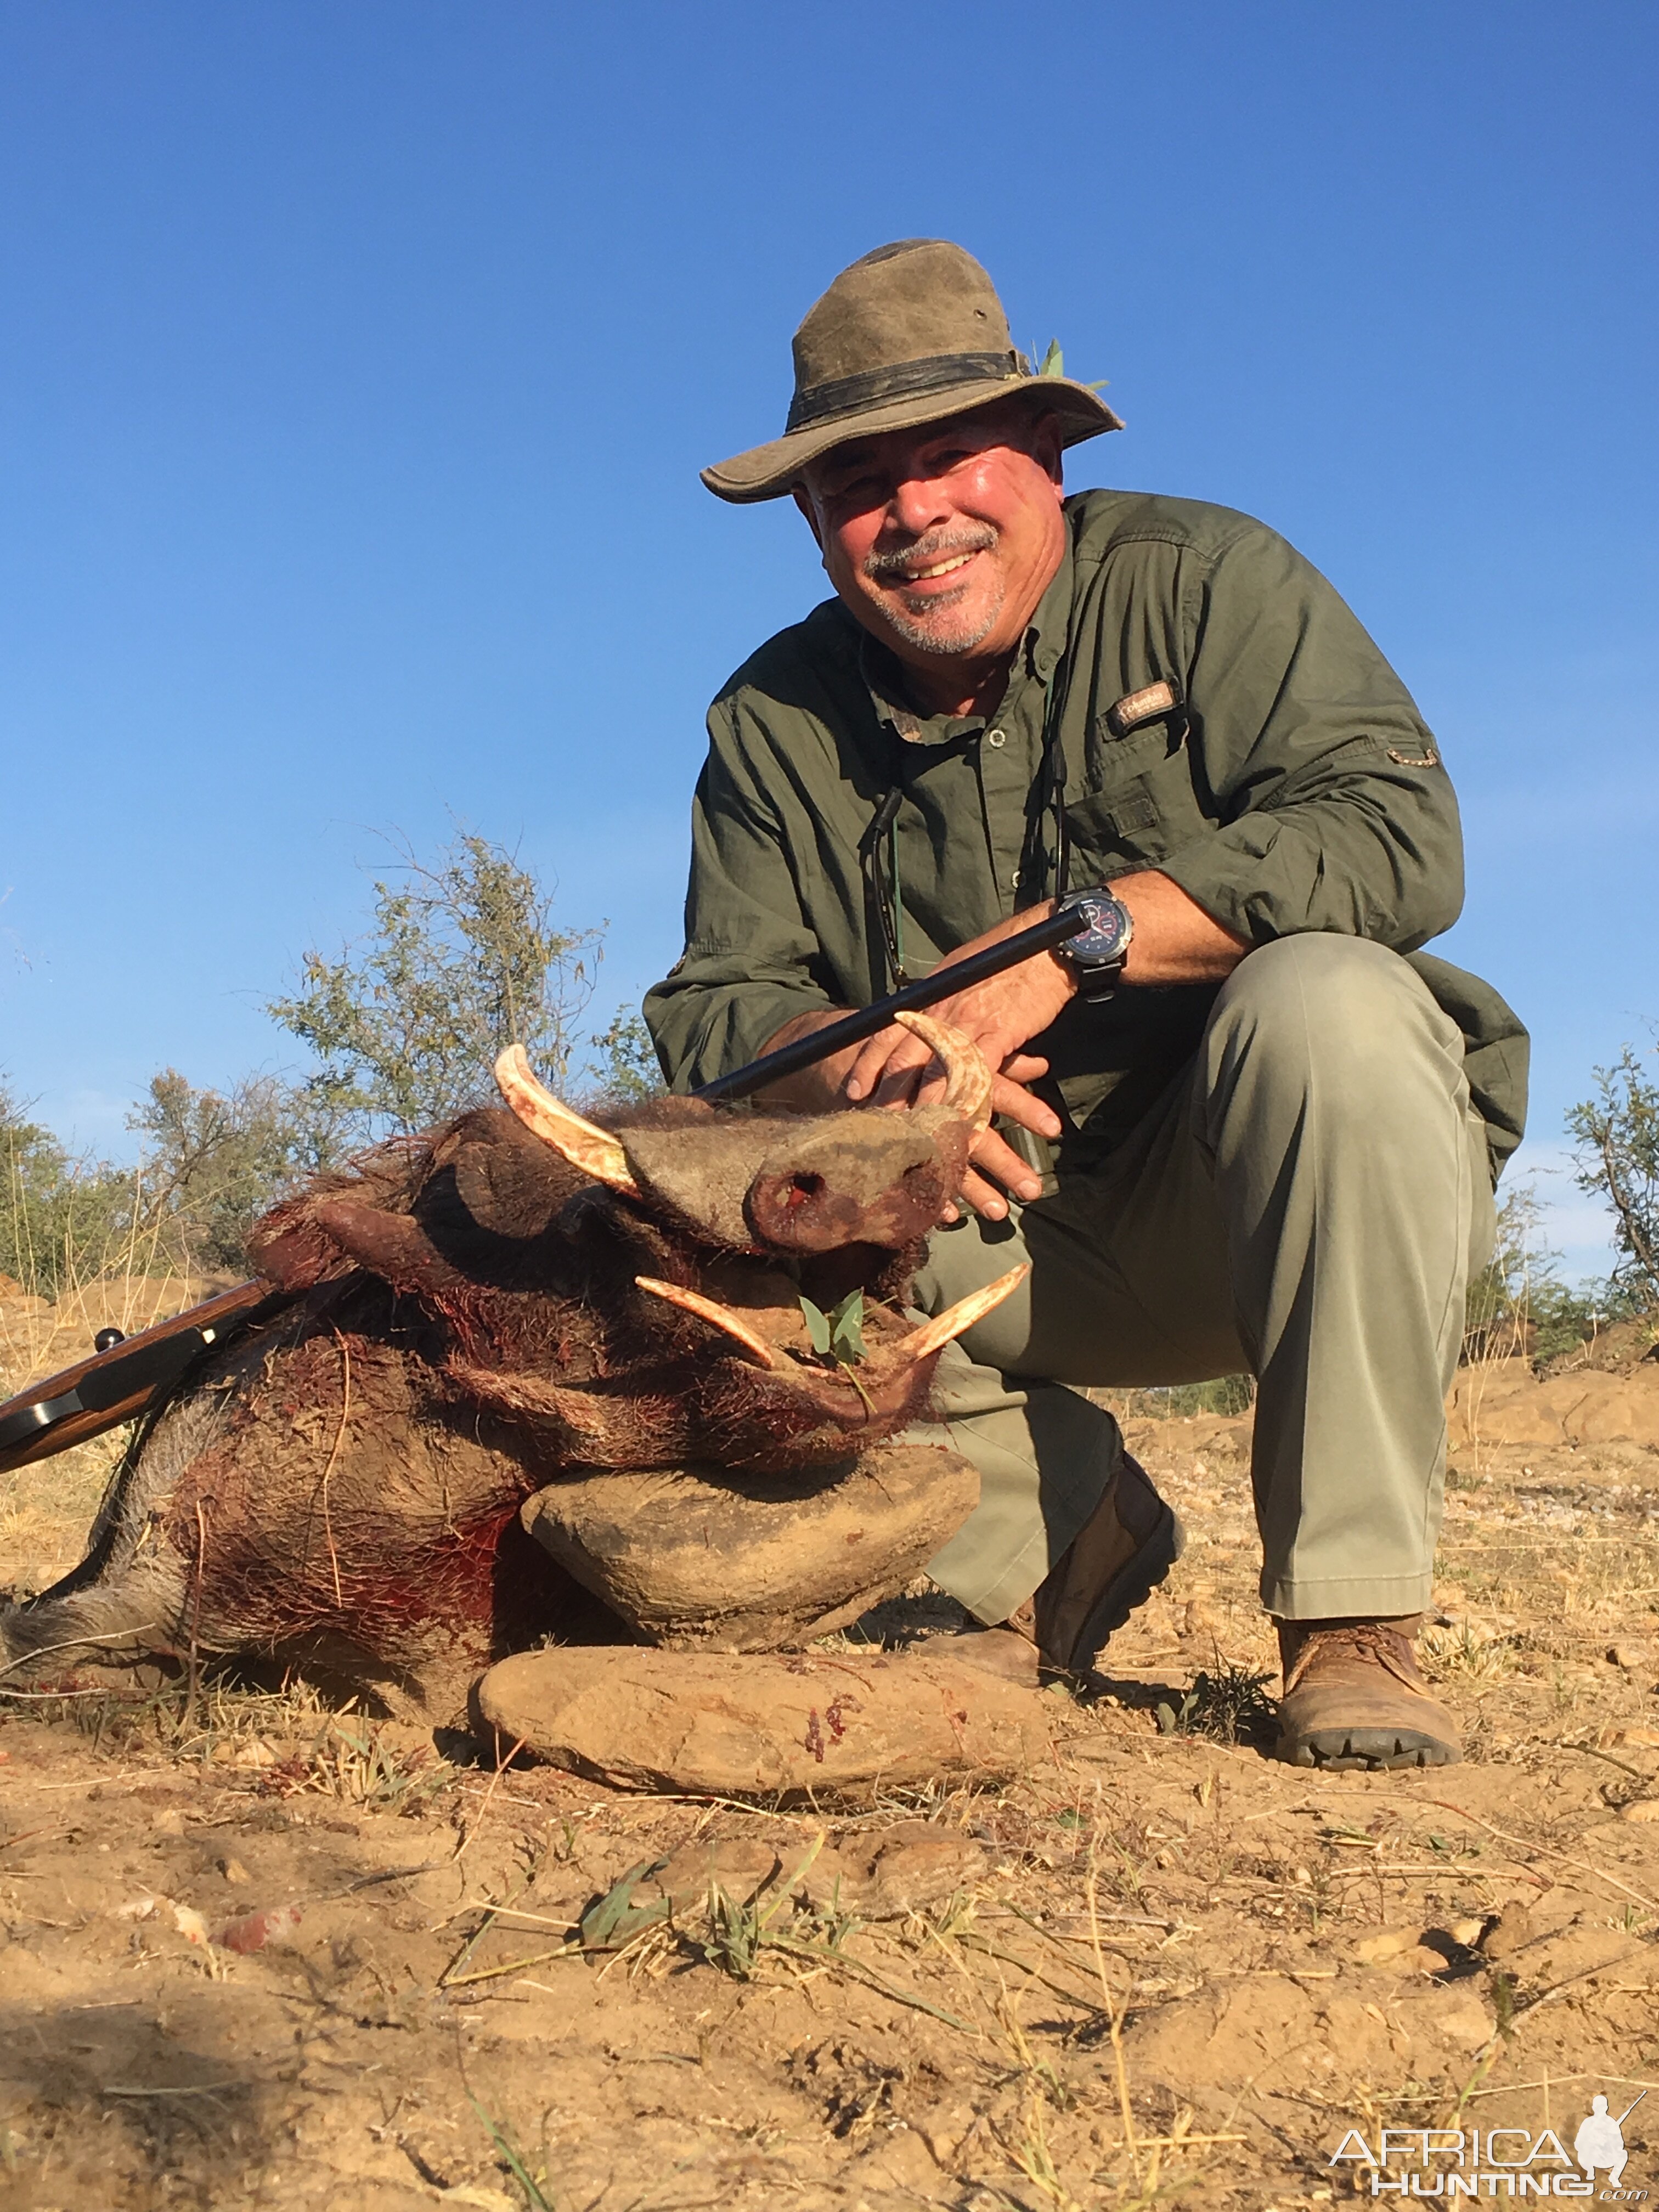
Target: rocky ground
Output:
{"points": [[255, 1952]]}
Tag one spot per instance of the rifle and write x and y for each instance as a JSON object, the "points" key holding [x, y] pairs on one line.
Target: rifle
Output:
{"points": [[853, 1029], [125, 1378]]}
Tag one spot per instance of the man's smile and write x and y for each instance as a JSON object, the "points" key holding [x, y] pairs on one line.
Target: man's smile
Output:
{"points": [[930, 575], [938, 568]]}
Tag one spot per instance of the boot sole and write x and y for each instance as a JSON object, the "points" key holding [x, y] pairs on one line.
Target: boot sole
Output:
{"points": [[1342, 1750], [1131, 1586]]}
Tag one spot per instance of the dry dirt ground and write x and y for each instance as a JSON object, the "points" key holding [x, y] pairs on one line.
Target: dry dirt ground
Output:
{"points": [[256, 1953]]}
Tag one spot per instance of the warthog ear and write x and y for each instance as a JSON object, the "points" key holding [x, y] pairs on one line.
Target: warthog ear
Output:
{"points": [[394, 1246], [594, 1150]]}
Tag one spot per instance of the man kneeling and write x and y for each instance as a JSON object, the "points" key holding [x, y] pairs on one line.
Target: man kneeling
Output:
{"points": [[1243, 1120]]}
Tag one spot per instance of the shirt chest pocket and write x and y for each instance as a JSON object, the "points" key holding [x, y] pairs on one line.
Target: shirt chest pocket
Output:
{"points": [[1139, 803]]}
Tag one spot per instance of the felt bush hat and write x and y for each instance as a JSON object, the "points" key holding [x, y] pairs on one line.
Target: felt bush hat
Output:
{"points": [[911, 333]]}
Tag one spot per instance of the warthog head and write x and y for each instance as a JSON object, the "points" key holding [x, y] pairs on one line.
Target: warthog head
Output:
{"points": [[634, 1291]]}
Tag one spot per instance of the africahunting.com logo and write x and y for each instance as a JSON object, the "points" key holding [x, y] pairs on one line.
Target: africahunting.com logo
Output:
{"points": [[1452, 2162]]}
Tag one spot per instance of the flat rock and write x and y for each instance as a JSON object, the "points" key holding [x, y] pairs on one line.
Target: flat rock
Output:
{"points": [[827, 1727], [702, 1559]]}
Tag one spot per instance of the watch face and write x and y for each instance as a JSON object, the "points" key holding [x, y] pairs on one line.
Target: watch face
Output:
{"points": [[1106, 936]]}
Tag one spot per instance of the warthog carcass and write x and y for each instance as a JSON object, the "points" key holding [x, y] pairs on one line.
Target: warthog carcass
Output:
{"points": [[515, 1299]]}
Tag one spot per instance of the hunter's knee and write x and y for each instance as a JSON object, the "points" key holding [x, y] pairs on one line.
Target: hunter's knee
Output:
{"points": [[1339, 1019]]}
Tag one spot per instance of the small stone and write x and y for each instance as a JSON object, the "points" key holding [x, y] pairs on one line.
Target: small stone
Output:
{"points": [[251, 1757], [1637, 1733], [901, 2164], [233, 1870], [190, 1923], [1506, 1931], [1644, 1809], [1387, 1944], [945, 2132], [904, 1869], [255, 1931], [1466, 1932], [1464, 2019]]}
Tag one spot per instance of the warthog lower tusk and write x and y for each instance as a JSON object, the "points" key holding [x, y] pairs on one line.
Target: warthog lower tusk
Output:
{"points": [[594, 1150], [967, 1078], [934, 1335], [717, 1315]]}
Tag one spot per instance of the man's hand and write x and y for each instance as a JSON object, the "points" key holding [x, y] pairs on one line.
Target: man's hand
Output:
{"points": [[822, 1088], [1175, 941]]}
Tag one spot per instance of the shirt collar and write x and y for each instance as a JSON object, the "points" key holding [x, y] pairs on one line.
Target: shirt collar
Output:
{"points": [[1050, 626]]}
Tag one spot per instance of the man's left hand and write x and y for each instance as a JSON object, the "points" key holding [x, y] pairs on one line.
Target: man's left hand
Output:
{"points": [[1175, 941]]}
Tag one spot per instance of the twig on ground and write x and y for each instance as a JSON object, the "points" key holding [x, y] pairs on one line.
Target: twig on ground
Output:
{"points": [[1548, 1852], [513, 1967]]}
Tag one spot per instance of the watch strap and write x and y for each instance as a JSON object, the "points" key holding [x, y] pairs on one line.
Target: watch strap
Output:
{"points": [[1099, 982]]}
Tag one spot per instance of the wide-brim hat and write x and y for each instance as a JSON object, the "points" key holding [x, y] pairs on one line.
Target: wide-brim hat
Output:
{"points": [[911, 333]]}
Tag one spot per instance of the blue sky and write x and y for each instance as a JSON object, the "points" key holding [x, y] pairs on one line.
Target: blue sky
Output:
{"points": [[358, 363]]}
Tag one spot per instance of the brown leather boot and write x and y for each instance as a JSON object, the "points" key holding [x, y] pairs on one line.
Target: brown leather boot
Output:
{"points": [[1352, 1696], [1114, 1563]]}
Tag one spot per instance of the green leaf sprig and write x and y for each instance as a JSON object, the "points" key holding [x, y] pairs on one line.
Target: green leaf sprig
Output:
{"points": [[838, 1336], [1052, 363]]}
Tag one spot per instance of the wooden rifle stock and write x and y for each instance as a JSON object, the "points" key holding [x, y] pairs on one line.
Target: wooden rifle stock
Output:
{"points": [[117, 1385]]}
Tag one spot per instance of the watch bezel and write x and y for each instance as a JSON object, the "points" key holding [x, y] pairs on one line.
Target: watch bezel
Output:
{"points": [[1092, 957]]}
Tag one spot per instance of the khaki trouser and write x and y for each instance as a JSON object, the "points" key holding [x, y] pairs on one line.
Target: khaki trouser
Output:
{"points": [[1305, 1202]]}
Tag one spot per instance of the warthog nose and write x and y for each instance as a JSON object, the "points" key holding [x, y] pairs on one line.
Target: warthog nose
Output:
{"points": [[881, 1192], [798, 1211]]}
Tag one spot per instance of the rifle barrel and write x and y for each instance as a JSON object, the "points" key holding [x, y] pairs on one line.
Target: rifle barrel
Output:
{"points": [[944, 983]]}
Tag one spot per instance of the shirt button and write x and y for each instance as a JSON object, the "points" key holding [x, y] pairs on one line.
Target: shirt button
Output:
{"points": [[1013, 881], [996, 739]]}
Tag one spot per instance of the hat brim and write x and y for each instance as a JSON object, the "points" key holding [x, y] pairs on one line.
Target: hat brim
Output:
{"points": [[770, 471]]}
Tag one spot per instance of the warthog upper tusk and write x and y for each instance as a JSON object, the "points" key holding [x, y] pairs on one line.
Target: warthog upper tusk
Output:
{"points": [[711, 1310], [594, 1150], [934, 1335], [967, 1078]]}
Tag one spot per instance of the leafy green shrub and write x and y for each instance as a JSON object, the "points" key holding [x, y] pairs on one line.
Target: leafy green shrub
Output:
{"points": [[624, 1065], [1230, 1705], [1231, 1395], [463, 959], [63, 1220], [216, 1161], [1617, 1134], [1518, 1304]]}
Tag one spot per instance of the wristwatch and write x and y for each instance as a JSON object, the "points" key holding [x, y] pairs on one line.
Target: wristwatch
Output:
{"points": [[1096, 955]]}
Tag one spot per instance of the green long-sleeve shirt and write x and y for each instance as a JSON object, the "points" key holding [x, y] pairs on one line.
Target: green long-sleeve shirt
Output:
{"points": [[1292, 786]]}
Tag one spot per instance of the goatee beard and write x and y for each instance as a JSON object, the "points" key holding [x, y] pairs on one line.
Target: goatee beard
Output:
{"points": [[944, 631], [933, 626]]}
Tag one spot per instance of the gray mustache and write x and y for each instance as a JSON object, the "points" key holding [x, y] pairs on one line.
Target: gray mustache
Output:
{"points": [[924, 551]]}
